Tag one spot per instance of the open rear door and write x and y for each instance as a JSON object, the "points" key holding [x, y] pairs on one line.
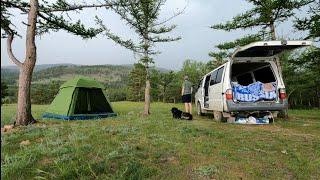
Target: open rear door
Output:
{"points": [[268, 48]]}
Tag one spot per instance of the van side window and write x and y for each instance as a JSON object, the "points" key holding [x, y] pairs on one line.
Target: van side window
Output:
{"points": [[219, 75], [213, 77]]}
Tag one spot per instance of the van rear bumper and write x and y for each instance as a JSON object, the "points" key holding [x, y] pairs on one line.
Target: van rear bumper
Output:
{"points": [[256, 106]]}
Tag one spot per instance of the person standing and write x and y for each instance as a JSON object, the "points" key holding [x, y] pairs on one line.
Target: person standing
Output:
{"points": [[186, 94]]}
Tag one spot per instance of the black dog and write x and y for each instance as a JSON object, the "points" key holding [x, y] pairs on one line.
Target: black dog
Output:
{"points": [[177, 114]]}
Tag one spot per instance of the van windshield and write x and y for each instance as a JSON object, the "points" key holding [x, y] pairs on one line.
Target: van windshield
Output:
{"points": [[248, 73]]}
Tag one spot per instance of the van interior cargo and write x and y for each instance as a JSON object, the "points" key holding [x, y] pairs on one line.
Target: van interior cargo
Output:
{"points": [[248, 73], [253, 82]]}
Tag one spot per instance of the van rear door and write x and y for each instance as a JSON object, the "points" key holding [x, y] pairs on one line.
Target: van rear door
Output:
{"points": [[267, 49]]}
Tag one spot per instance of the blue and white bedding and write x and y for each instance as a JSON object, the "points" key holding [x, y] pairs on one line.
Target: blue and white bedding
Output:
{"points": [[253, 92]]}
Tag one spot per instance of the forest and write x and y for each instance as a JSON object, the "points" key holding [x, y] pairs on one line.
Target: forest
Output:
{"points": [[126, 83]]}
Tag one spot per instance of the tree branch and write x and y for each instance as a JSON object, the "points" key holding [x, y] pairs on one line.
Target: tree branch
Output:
{"points": [[79, 7], [170, 18], [10, 53], [23, 7]]}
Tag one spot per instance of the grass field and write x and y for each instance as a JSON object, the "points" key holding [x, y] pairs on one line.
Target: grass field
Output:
{"points": [[157, 147]]}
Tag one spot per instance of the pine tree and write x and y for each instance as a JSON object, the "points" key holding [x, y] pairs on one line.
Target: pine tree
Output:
{"points": [[143, 17], [165, 80], [309, 60], [265, 15], [311, 23], [136, 82], [42, 18]]}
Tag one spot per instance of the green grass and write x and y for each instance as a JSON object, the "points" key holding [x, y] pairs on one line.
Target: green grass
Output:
{"points": [[158, 147]]}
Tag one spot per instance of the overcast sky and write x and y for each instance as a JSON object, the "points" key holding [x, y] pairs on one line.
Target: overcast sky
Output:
{"points": [[193, 26]]}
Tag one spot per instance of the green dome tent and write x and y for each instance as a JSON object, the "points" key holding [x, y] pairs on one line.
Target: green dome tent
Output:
{"points": [[80, 98]]}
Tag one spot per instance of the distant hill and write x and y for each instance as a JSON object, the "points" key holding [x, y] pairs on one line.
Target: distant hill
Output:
{"points": [[38, 67], [63, 72], [114, 75]]}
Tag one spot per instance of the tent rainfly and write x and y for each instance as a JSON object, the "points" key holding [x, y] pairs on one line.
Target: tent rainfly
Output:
{"points": [[80, 98]]}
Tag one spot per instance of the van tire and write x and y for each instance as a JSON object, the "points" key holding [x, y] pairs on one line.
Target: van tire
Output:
{"points": [[217, 116], [199, 112]]}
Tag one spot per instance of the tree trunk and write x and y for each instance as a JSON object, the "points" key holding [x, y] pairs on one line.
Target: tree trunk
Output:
{"points": [[273, 31], [163, 93], [147, 97], [24, 116], [146, 65]]}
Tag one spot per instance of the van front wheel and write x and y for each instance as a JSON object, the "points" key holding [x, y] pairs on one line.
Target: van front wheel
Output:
{"points": [[199, 112], [217, 116]]}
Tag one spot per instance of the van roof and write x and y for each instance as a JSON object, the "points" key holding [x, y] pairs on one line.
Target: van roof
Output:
{"points": [[268, 48]]}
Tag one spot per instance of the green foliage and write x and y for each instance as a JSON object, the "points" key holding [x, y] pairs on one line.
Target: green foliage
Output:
{"points": [[301, 72], [143, 17], [50, 17], [266, 15], [311, 23], [166, 86], [6, 23], [136, 83], [117, 94], [44, 93], [219, 58], [166, 81], [240, 42], [160, 81], [10, 76], [114, 77], [4, 91], [173, 92], [194, 70], [263, 13]]}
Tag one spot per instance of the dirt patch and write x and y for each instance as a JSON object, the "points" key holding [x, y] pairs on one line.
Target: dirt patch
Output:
{"points": [[25, 143], [46, 161], [7, 128], [169, 159], [94, 156]]}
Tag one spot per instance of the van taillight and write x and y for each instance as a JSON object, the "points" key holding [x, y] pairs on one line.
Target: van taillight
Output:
{"points": [[282, 93], [229, 94]]}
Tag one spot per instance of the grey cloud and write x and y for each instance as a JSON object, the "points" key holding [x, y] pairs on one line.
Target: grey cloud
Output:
{"points": [[193, 26]]}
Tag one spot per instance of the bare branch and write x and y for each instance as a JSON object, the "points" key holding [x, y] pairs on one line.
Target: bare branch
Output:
{"points": [[9, 50], [170, 18]]}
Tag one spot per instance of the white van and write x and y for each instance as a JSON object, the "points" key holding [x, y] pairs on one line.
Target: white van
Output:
{"points": [[220, 90]]}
